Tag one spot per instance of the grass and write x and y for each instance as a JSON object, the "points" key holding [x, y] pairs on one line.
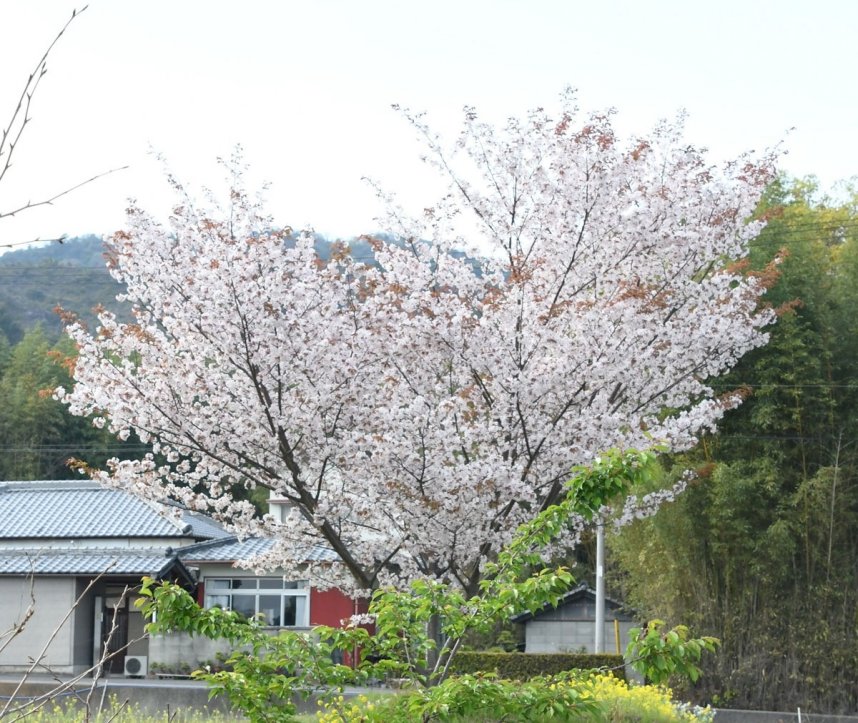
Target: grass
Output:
{"points": [[117, 713]]}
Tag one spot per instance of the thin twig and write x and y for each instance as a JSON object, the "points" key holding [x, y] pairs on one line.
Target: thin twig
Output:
{"points": [[20, 119], [51, 638], [35, 703], [119, 710], [10, 138], [18, 627], [13, 244], [49, 201]]}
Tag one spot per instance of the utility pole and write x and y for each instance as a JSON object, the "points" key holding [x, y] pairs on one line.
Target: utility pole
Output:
{"points": [[600, 587]]}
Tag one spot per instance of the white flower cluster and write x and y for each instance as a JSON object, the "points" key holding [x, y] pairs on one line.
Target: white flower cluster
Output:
{"points": [[639, 508]]}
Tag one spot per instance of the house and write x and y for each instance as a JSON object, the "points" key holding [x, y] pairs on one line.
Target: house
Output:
{"points": [[70, 551], [570, 626], [221, 582]]}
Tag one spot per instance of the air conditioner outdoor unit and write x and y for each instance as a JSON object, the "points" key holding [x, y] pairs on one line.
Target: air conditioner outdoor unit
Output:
{"points": [[136, 666]]}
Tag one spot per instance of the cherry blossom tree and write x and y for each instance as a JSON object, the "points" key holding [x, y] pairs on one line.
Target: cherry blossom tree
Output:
{"points": [[414, 409]]}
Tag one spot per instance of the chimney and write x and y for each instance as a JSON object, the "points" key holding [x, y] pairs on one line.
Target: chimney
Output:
{"points": [[279, 506]]}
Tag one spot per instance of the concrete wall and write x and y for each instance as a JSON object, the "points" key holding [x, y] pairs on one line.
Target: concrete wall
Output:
{"points": [[174, 649], [172, 700], [566, 636], [54, 597]]}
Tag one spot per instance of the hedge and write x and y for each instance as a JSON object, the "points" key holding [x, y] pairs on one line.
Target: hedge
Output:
{"points": [[523, 666]]}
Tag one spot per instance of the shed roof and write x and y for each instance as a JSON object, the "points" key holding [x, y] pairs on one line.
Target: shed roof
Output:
{"points": [[582, 591]]}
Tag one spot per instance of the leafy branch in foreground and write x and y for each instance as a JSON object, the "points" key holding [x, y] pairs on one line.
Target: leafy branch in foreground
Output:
{"points": [[517, 580], [660, 654], [264, 673], [419, 631]]}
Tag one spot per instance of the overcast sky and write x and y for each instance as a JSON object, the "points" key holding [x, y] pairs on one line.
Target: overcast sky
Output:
{"points": [[306, 88]]}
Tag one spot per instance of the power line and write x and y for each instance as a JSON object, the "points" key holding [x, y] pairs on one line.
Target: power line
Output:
{"points": [[77, 445], [767, 385]]}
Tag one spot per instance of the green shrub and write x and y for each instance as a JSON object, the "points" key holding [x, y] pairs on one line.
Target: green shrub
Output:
{"points": [[523, 666], [472, 699]]}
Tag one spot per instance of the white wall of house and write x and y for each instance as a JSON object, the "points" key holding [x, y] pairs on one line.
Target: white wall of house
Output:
{"points": [[222, 569], [54, 598]]}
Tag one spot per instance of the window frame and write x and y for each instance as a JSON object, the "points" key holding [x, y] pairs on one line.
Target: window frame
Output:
{"points": [[220, 591]]}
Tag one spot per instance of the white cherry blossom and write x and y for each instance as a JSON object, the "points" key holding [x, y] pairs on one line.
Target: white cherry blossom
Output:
{"points": [[414, 412]]}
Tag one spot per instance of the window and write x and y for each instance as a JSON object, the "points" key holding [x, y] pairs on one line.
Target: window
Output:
{"points": [[282, 603]]}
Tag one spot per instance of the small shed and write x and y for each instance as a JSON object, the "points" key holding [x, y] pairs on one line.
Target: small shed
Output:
{"points": [[570, 627]]}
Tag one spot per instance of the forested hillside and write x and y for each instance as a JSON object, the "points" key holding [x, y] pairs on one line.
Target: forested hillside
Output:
{"points": [[33, 281], [762, 551], [37, 435]]}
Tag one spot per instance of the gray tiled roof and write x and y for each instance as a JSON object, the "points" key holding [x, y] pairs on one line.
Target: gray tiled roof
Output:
{"points": [[320, 553], [137, 562], [582, 590], [203, 527], [232, 549], [226, 550], [75, 509]]}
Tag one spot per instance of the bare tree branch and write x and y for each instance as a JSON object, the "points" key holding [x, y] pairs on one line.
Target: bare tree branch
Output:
{"points": [[14, 244], [49, 201], [21, 115], [20, 707], [51, 637], [13, 132]]}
